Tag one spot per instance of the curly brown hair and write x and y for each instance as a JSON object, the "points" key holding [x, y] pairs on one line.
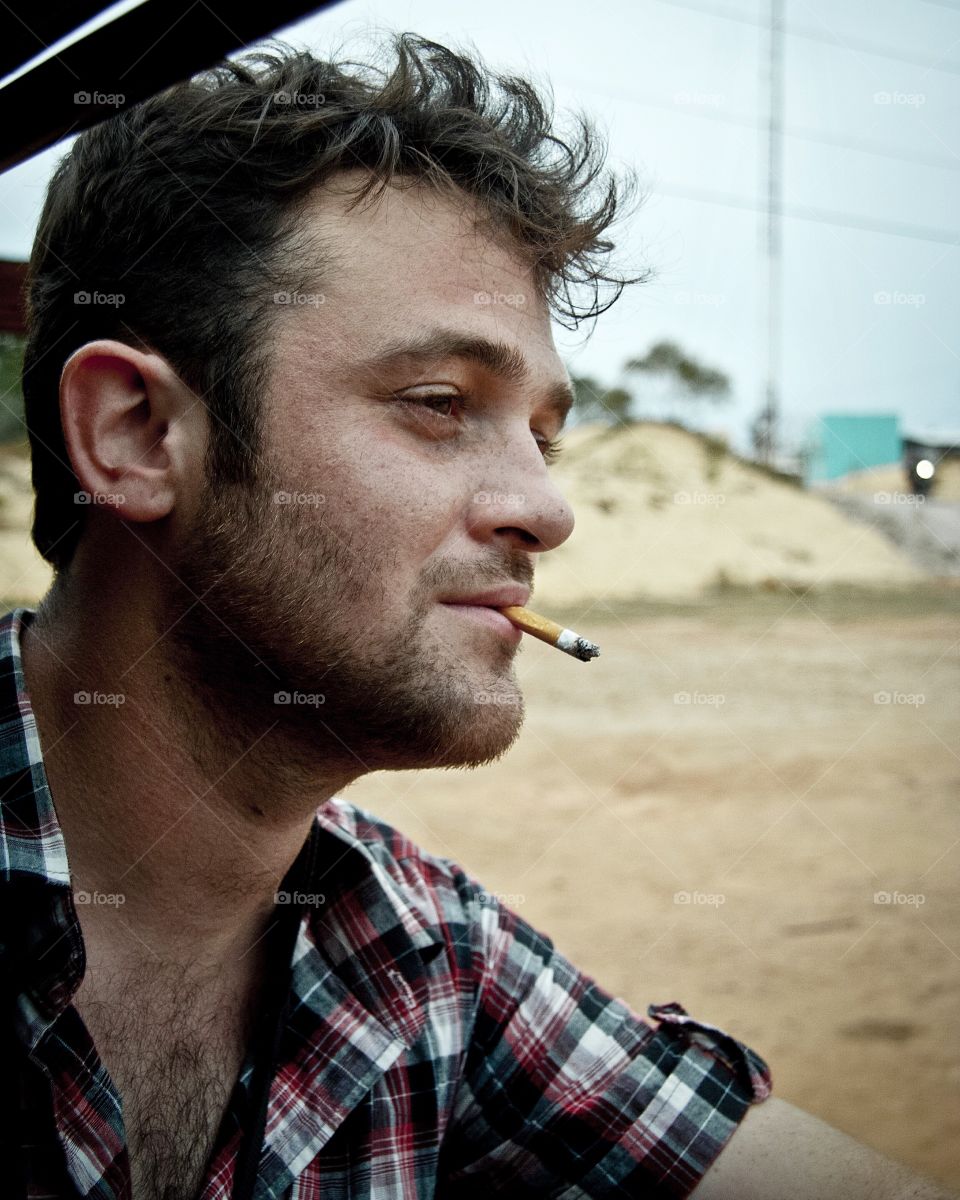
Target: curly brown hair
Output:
{"points": [[180, 213]]}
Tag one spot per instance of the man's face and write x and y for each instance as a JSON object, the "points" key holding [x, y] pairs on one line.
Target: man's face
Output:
{"points": [[368, 511]]}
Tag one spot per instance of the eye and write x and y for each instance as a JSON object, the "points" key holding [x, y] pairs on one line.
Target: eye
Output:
{"points": [[549, 448], [426, 401]]}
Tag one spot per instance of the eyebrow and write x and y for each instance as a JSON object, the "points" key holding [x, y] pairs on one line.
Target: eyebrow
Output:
{"points": [[499, 358]]}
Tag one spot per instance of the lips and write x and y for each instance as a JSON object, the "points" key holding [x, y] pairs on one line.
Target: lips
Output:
{"points": [[485, 614]]}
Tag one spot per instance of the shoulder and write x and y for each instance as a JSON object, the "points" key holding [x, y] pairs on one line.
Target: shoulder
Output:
{"points": [[433, 890]]}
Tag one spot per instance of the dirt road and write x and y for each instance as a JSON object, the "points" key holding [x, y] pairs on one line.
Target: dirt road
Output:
{"points": [[750, 807]]}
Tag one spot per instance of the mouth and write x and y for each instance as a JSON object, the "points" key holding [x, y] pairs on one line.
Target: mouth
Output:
{"points": [[488, 615]]}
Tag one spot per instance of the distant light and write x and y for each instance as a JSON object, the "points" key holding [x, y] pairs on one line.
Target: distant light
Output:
{"points": [[924, 469]]}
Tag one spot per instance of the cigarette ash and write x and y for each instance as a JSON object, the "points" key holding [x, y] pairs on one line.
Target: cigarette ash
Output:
{"points": [[585, 650]]}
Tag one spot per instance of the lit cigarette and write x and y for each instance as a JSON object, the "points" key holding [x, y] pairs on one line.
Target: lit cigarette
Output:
{"points": [[550, 632]]}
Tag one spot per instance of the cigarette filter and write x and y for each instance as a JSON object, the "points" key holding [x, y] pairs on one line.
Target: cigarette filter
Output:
{"points": [[551, 632]]}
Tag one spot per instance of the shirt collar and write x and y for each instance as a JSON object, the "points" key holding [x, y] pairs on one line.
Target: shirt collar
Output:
{"points": [[31, 842]]}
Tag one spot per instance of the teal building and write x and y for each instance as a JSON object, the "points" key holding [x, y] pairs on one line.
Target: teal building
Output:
{"points": [[842, 443]]}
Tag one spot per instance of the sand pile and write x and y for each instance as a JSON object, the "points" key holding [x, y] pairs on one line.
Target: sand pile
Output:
{"points": [[664, 513]]}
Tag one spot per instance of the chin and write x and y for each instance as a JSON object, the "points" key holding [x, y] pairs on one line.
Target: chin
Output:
{"points": [[490, 735]]}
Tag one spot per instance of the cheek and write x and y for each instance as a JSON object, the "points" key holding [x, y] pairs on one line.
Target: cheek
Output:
{"points": [[390, 502]]}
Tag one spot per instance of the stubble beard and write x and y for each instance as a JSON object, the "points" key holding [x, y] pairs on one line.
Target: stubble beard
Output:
{"points": [[279, 590]]}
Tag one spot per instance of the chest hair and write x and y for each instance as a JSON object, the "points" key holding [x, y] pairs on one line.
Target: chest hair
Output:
{"points": [[174, 1048]]}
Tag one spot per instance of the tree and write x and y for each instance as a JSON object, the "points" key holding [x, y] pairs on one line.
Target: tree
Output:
{"points": [[683, 382], [694, 380], [667, 362], [594, 402]]}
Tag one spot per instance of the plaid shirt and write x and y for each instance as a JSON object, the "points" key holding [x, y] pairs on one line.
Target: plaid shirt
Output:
{"points": [[434, 1044]]}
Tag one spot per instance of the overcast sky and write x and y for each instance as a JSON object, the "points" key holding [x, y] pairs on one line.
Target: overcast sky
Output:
{"points": [[869, 314]]}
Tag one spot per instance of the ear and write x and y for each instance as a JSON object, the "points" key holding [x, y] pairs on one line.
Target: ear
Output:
{"points": [[134, 432]]}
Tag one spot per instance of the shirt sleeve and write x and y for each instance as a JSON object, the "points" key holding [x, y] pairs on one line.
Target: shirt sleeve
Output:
{"points": [[567, 1093]]}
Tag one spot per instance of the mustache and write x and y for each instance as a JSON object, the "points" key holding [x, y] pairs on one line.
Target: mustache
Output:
{"points": [[483, 577]]}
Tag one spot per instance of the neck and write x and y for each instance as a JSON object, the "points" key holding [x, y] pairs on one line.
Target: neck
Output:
{"points": [[186, 818]]}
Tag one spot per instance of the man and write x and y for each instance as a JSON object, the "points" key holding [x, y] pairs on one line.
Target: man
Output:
{"points": [[288, 450]]}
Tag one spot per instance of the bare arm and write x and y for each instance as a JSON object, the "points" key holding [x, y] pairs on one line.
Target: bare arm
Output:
{"points": [[783, 1153]]}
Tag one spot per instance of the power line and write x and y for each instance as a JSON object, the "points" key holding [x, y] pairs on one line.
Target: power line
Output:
{"points": [[823, 216], [866, 146], [819, 35], [862, 145]]}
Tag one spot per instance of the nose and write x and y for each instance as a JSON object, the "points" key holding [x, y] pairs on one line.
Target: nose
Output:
{"points": [[520, 503]]}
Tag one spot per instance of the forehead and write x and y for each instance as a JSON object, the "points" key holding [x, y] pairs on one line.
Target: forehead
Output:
{"points": [[394, 262]]}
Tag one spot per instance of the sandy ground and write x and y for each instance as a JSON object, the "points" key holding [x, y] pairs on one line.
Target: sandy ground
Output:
{"points": [[780, 762]]}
